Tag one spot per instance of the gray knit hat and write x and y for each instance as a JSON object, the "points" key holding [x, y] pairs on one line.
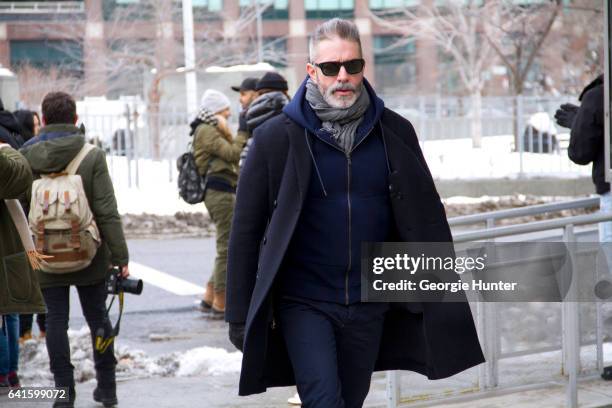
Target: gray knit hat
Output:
{"points": [[214, 101]]}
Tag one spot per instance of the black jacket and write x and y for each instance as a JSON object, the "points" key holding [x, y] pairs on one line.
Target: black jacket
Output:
{"points": [[435, 339], [587, 134], [10, 130]]}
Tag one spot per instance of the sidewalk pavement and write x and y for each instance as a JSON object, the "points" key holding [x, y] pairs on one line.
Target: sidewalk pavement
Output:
{"points": [[198, 392]]}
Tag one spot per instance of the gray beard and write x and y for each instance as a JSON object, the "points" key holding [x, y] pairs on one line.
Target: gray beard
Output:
{"points": [[341, 123]]}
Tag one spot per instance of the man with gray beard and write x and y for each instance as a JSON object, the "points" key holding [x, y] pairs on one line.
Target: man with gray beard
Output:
{"points": [[335, 169]]}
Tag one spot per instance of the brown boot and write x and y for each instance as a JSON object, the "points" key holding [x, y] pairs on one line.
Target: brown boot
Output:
{"points": [[207, 302], [218, 306]]}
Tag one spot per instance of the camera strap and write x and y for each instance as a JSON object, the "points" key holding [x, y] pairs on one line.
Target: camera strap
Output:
{"points": [[102, 341]]}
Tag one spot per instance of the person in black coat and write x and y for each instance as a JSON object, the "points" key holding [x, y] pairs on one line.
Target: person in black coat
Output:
{"points": [[271, 98], [587, 141], [10, 129], [335, 169]]}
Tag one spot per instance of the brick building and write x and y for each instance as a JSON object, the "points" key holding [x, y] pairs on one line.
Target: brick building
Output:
{"points": [[74, 33]]}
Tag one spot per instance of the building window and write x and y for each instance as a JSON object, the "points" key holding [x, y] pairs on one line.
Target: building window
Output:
{"points": [[326, 9], [65, 55], [392, 4], [131, 10], [212, 6], [275, 10], [394, 63]]}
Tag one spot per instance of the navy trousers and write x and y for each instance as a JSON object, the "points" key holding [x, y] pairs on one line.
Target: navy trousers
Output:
{"points": [[332, 348]]}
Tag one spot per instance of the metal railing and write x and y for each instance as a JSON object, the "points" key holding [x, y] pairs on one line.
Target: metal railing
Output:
{"points": [[444, 133], [492, 216], [43, 7], [487, 316]]}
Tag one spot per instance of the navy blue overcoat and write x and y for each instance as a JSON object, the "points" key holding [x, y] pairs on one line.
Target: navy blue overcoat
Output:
{"points": [[437, 340]]}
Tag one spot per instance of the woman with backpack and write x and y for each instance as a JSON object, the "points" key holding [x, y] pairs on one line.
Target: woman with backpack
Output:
{"points": [[216, 154]]}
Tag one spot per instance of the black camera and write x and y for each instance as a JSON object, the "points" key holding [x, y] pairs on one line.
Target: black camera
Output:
{"points": [[115, 283]]}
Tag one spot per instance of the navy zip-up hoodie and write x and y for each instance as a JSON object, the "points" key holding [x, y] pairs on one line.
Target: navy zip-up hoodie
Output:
{"points": [[347, 203]]}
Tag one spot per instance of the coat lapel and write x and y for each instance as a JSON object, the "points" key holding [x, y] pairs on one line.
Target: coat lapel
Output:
{"points": [[300, 154]]}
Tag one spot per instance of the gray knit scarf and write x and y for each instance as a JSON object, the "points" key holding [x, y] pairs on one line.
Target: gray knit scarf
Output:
{"points": [[342, 123]]}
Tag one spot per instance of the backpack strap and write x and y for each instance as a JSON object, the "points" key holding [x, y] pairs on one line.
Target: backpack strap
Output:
{"points": [[73, 166]]}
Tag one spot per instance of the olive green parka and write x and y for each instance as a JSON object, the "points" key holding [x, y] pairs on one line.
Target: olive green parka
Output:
{"points": [[50, 152], [19, 289]]}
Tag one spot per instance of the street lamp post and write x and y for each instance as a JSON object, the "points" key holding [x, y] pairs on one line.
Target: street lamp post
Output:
{"points": [[191, 85]]}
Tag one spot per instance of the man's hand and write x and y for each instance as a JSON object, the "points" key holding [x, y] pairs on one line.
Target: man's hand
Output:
{"points": [[565, 115], [236, 335], [125, 272]]}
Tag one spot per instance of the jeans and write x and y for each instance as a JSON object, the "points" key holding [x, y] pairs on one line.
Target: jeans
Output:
{"points": [[93, 304], [332, 348], [9, 344]]}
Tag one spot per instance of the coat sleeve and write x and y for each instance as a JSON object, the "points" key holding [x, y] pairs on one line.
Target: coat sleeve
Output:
{"points": [[210, 142], [15, 174], [248, 227], [586, 137], [104, 208]]}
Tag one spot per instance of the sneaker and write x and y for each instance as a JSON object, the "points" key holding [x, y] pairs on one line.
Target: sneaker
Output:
{"points": [[13, 380], [295, 400], [66, 403], [107, 396]]}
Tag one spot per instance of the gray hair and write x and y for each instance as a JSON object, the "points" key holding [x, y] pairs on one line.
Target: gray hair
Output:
{"points": [[334, 28]]}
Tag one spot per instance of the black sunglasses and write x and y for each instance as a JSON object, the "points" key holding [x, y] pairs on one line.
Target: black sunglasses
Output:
{"points": [[331, 68]]}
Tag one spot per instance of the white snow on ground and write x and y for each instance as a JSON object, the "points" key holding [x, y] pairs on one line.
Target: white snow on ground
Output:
{"points": [[201, 361], [208, 360], [456, 200], [456, 159], [151, 187]]}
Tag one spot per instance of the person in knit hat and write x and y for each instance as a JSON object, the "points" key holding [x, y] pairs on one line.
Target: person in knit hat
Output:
{"points": [[216, 154]]}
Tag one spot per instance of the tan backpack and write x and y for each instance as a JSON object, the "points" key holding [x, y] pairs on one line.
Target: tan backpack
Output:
{"points": [[61, 220]]}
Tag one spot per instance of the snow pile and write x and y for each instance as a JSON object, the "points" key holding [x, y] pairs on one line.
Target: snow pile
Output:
{"points": [[208, 360], [456, 159], [201, 361], [147, 186], [34, 360]]}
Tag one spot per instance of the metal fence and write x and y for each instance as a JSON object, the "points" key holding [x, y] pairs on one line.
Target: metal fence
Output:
{"points": [[579, 324], [519, 137]]}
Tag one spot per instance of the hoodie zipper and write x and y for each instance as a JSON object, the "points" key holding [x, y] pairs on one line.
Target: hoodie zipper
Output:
{"points": [[349, 164], [349, 171]]}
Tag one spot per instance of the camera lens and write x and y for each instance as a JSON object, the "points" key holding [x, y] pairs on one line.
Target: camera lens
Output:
{"points": [[133, 286]]}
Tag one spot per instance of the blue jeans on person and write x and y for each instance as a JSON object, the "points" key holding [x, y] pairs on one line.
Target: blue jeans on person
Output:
{"points": [[332, 348], [9, 344]]}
